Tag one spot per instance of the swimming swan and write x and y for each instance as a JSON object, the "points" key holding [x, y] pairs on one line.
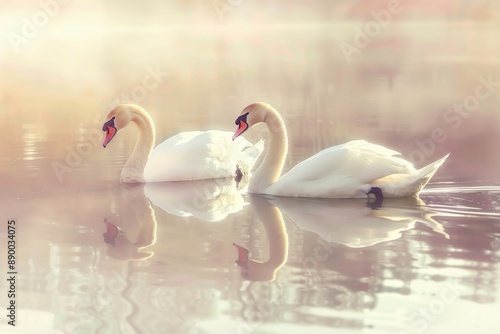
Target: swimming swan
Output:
{"points": [[349, 170], [193, 155]]}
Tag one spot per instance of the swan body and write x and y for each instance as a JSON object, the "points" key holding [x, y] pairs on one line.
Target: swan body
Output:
{"points": [[187, 156], [348, 170], [200, 155]]}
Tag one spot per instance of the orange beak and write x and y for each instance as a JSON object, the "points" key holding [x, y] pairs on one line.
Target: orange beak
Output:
{"points": [[242, 127], [110, 129], [111, 233], [242, 255], [242, 123]]}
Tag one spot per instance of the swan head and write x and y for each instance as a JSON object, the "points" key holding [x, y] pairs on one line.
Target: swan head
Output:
{"points": [[253, 114], [117, 119]]}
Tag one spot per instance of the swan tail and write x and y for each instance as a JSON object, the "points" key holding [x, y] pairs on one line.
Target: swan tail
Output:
{"points": [[408, 184], [425, 174], [249, 155]]}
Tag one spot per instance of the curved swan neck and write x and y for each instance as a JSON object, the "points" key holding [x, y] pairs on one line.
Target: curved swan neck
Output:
{"points": [[137, 200], [277, 238], [271, 167], [276, 235], [134, 168]]}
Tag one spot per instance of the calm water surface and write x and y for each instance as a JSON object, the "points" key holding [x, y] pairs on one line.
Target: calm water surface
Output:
{"points": [[203, 257], [97, 257]]}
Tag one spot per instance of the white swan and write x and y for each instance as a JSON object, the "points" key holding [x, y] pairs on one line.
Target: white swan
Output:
{"points": [[350, 170], [193, 155]]}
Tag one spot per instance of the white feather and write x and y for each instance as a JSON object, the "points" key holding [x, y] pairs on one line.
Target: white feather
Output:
{"points": [[197, 155]]}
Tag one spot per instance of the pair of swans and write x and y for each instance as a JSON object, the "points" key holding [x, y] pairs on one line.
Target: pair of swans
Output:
{"points": [[351, 170], [187, 156]]}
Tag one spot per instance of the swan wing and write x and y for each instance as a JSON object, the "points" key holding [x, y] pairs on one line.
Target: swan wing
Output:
{"points": [[197, 155], [344, 170]]}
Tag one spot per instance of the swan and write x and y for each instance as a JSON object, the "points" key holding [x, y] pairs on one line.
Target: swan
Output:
{"points": [[193, 155], [354, 169]]}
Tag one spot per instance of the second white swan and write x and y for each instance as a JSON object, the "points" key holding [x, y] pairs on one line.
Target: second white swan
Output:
{"points": [[187, 156], [349, 170]]}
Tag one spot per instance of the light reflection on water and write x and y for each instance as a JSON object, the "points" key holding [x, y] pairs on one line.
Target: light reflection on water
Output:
{"points": [[171, 266], [114, 260]]}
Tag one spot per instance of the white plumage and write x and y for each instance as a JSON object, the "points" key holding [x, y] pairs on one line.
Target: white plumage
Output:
{"points": [[348, 170], [200, 155]]}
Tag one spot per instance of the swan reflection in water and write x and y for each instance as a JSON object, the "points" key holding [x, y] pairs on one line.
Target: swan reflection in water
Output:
{"points": [[207, 200], [277, 237], [349, 222], [121, 236]]}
